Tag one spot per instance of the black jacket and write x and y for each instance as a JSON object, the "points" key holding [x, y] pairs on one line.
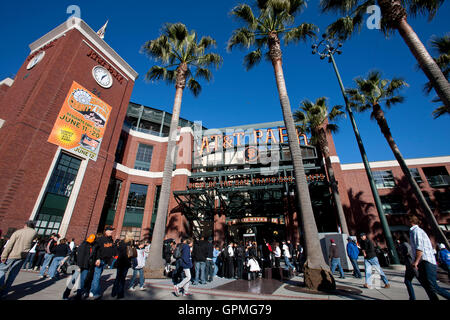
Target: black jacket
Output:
{"points": [[86, 255], [369, 248], [123, 261], [200, 251], [61, 250], [105, 249]]}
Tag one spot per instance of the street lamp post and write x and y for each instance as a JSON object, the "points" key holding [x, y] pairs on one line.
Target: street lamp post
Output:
{"points": [[328, 49]]}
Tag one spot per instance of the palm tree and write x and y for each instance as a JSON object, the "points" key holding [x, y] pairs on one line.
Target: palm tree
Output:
{"points": [[274, 20], [442, 46], [315, 120], [394, 17], [184, 60], [369, 94]]}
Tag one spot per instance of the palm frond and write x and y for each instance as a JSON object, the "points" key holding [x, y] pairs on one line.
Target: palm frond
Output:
{"points": [[157, 73], [301, 33], [424, 7], [194, 86], [244, 12], [242, 37], [252, 59], [440, 111]]}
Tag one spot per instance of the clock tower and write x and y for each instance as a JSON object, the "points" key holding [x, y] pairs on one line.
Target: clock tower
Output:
{"points": [[61, 120]]}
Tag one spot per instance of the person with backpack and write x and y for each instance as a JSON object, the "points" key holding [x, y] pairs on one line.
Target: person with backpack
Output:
{"points": [[176, 273], [353, 253], [138, 265], [186, 264]]}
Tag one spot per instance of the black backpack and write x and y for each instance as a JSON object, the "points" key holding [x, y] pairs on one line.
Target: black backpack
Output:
{"points": [[177, 252]]}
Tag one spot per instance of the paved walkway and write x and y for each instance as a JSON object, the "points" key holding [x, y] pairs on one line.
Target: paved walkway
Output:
{"points": [[28, 286]]}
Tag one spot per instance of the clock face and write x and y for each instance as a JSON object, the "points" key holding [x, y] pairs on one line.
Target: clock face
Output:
{"points": [[36, 60], [102, 76]]}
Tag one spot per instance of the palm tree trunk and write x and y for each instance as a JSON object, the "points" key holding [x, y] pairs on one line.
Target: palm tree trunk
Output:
{"points": [[317, 273], [154, 267], [395, 15], [426, 62], [382, 123], [323, 145]]}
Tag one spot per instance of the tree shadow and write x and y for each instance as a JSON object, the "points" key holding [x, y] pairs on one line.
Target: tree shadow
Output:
{"points": [[359, 217]]}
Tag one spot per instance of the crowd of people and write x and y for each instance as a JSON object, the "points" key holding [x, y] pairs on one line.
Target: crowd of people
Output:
{"points": [[199, 261]]}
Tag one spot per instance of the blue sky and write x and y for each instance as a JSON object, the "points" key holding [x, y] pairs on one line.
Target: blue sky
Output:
{"points": [[236, 97]]}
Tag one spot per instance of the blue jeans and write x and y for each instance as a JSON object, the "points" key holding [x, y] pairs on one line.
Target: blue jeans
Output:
{"points": [[52, 272], [216, 269], [47, 259], [410, 273], [141, 277], [29, 260], [13, 265], [336, 262], [288, 263], [96, 290], [200, 268], [368, 263], [427, 278], [356, 271]]}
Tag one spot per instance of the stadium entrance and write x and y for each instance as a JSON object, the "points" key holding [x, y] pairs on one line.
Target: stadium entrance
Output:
{"points": [[242, 185]]}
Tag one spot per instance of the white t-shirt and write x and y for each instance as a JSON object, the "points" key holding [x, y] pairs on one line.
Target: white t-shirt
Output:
{"points": [[286, 251]]}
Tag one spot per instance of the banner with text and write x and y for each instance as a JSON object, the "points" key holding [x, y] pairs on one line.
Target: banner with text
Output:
{"points": [[81, 123]]}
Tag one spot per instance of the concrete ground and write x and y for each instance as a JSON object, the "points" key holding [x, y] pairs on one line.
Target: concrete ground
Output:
{"points": [[28, 286]]}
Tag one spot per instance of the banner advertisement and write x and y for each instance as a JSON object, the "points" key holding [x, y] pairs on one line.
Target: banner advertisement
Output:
{"points": [[81, 123]]}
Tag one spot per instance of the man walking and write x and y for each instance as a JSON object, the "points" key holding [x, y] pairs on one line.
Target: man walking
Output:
{"points": [[334, 259], [353, 253], [186, 264], [424, 260], [370, 259], [104, 251], [14, 254]]}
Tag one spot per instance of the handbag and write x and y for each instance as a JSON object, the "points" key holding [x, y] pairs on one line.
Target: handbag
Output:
{"points": [[131, 252]]}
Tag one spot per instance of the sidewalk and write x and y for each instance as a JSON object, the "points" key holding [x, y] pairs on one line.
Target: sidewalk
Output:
{"points": [[28, 286]]}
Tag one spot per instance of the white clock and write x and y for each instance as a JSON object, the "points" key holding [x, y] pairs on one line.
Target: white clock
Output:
{"points": [[35, 60], [102, 76]]}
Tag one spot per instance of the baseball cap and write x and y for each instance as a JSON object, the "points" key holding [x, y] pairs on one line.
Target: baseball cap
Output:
{"points": [[332, 240], [362, 234], [109, 228], [441, 245], [91, 238]]}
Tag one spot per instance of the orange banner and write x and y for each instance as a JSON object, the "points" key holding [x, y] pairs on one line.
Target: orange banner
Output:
{"points": [[81, 123]]}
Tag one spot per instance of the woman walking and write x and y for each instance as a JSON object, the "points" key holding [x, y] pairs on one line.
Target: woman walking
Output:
{"points": [[138, 266], [124, 256]]}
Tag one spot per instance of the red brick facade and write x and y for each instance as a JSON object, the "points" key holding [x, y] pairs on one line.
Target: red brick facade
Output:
{"points": [[30, 108]]}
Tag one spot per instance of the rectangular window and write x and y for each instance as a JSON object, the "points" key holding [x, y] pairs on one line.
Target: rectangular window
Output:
{"points": [[416, 175], [392, 204], [134, 212], [384, 179], [143, 157], [57, 194], [437, 176]]}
